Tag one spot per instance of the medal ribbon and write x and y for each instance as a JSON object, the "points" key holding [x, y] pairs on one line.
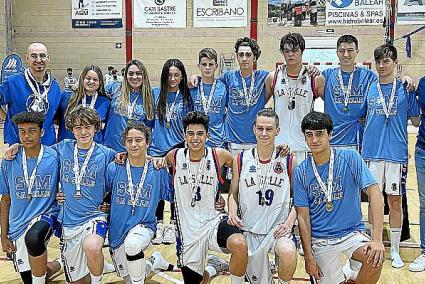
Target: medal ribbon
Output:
{"points": [[346, 91], [291, 91], [169, 110], [131, 106], [262, 180], [31, 82], [29, 181], [92, 103], [134, 196], [77, 173], [194, 186], [206, 103], [387, 109], [326, 190], [248, 97]]}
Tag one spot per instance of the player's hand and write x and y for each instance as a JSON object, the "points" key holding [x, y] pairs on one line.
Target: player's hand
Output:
{"points": [[235, 221], [313, 269], [220, 204], [120, 158], [193, 81], [410, 83], [10, 153], [283, 150], [312, 70], [375, 251], [7, 245], [60, 197], [282, 230], [104, 207], [159, 163]]}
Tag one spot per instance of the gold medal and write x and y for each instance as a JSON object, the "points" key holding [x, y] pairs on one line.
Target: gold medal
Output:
{"points": [[329, 206], [345, 108]]}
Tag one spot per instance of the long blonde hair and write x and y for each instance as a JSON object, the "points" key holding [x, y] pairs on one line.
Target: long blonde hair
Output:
{"points": [[80, 93], [145, 90]]}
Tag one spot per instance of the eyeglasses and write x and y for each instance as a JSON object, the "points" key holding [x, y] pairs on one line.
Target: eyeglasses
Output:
{"points": [[244, 54]]}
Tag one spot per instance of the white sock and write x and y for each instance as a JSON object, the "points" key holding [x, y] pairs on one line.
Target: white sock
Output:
{"points": [[96, 279], [136, 270], [148, 267], [236, 279], [211, 270], [39, 279], [395, 234]]}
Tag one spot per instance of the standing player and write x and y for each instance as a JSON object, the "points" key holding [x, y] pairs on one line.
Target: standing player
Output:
{"points": [[136, 189], [34, 90], [327, 200], [419, 264], [260, 191], [294, 93], [200, 226], [389, 106], [83, 178], [210, 97], [28, 186]]}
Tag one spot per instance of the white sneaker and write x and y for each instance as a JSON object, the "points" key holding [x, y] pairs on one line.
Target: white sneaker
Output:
{"points": [[159, 234], [418, 265], [108, 267], [220, 265], [158, 262], [396, 260], [169, 235]]}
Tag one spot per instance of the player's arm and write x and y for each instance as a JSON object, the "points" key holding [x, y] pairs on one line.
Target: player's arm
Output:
{"points": [[375, 248], [6, 243], [311, 266], [410, 83], [319, 82], [233, 196], [224, 158], [269, 86], [164, 162]]}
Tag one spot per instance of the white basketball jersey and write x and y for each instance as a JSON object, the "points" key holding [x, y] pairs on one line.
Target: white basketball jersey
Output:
{"points": [[286, 90], [193, 221], [261, 210]]}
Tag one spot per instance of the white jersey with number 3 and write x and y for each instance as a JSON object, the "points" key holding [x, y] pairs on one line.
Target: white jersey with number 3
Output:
{"points": [[262, 210], [193, 221]]}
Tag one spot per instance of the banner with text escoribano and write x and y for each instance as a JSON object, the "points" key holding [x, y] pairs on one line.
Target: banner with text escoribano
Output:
{"points": [[219, 13], [159, 13], [355, 12]]}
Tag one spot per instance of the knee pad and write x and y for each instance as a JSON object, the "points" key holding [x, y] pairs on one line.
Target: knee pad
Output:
{"points": [[36, 238], [137, 240]]}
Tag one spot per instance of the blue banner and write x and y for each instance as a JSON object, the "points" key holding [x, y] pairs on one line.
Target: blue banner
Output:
{"points": [[11, 65]]}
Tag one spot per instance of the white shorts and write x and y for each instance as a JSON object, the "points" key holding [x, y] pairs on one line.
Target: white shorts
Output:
{"points": [[259, 270], [73, 257], [388, 175], [235, 149], [119, 256], [20, 256], [328, 253]]}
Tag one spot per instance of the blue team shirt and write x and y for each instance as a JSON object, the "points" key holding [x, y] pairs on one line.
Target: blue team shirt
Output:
{"points": [[75, 211], [348, 130], [12, 182], [164, 139], [384, 142], [112, 88], [350, 175], [217, 111], [101, 106], [118, 118], [157, 186], [240, 119], [16, 94], [421, 99]]}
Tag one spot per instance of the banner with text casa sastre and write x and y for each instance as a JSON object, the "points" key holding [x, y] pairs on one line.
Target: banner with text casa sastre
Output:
{"points": [[96, 14], [355, 12], [159, 13], [220, 13]]}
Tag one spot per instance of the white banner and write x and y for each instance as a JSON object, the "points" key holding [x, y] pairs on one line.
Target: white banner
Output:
{"points": [[159, 13], [220, 13], [411, 12], [355, 12], [96, 14]]}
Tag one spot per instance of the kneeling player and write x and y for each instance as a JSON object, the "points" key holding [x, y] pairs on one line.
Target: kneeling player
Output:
{"points": [[260, 189], [136, 190], [200, 227], [28, 186]]}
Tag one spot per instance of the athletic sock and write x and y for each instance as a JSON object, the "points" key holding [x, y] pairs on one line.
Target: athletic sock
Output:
{"points": [[395, 234], [211, 270], [96, 279], [39, 279], [236, 279], [136, 270]]}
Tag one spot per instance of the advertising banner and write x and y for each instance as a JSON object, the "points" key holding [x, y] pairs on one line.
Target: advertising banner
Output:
{"points": [[219, 13], [160, 13], [96, 14], [355, 12]]}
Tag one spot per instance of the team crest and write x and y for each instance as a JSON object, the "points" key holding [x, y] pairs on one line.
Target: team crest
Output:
{"points": [[184, 166], [303, 80], [252, 169], [283, 81], [278, 168]]}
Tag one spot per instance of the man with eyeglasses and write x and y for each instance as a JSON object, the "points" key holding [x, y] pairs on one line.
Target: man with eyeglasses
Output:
{"points": [[327, 201], [294, 91], [32, 90]]}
